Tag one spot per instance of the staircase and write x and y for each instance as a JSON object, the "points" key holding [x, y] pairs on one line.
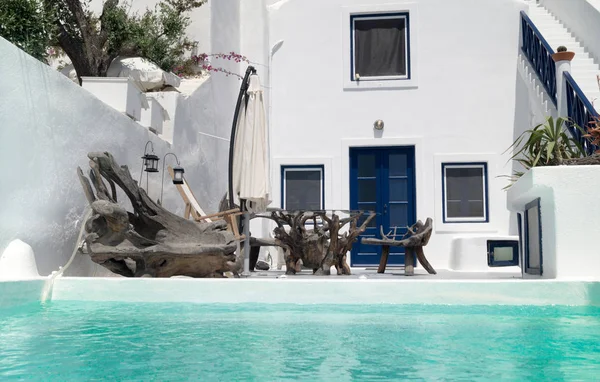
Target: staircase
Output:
{"points": [[583, 68]]}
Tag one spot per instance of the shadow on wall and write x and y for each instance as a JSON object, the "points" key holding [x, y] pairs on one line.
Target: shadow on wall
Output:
{"points": [[527, 115], [49, 124], [203, 138]]}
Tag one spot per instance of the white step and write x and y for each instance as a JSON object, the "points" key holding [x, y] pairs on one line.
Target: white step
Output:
{"points": [[583, 61], [583, 67], [575, 66]]}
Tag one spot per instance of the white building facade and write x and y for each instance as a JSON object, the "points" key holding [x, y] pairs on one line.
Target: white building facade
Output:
{"points": [[440, 76]]}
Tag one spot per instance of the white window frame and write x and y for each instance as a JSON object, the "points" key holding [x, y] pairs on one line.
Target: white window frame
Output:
{"points": [[313, 167], [400, 15], [348, 39], [484, 218]]}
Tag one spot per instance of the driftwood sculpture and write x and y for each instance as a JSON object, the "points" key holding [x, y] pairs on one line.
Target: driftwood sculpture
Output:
{"points": [[415, 239], [150, 241], [321, 245]]}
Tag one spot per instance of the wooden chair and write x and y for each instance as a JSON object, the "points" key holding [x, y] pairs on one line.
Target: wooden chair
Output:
{"points": [[193, 209], [418, 237]]}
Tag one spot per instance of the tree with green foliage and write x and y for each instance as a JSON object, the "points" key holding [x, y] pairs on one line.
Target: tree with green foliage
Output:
{"points": [[92, 41], [25, 24]]}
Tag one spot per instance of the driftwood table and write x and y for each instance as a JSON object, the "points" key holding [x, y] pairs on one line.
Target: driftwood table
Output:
{"points": [[319, 245], [418, 237]]}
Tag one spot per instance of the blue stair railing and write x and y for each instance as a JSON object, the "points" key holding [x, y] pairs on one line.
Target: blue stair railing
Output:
{"points": [[581, 113], [539, 53]]}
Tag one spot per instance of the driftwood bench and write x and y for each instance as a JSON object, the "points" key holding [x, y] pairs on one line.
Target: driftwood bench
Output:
{"points": [[413, 244]]}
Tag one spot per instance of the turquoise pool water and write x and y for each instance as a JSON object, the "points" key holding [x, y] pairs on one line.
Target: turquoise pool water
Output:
{"points": [[115, 341]]}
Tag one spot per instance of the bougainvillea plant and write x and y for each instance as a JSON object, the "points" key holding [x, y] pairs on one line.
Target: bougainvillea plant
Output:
{"points": [[593, 133], [201, 61]]}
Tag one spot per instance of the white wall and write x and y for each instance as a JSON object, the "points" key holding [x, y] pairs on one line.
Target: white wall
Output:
{"points": [[49, 124], [226, 37], [206, 144], [569, 224], [464, 105]]}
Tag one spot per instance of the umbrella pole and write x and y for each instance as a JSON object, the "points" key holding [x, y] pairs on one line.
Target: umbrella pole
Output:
{"points": [[236, 115], [246, 244]]}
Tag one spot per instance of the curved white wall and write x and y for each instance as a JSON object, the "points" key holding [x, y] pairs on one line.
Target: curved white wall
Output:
{"points": [[49, 124], [568, 219]]}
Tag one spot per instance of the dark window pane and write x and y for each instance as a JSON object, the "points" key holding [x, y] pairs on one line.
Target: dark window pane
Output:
{"points": [[454, 185], [533, 237], [475, 209], [473, 182], [367, 190], [372, 223], [303, 190], [380, 47], [398, 190], [398, 215], [366, 165], [465, 192], [398, 165], [453, 209]]}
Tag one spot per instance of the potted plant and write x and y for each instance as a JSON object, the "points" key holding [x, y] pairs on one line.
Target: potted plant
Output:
{"points": [[547, 144], [562, 54]]}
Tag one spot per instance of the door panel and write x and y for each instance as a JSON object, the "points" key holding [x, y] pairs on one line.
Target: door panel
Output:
{"points": [[382, 180]]}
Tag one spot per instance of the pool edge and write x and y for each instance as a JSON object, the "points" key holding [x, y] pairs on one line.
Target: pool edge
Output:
{"points": [[330, 291]]}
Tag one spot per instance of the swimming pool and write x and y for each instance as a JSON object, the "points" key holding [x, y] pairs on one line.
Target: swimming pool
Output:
{"points": [[74, 340]]}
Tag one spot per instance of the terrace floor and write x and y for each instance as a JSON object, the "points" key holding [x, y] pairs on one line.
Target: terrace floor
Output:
{"points": [[396, 274]]}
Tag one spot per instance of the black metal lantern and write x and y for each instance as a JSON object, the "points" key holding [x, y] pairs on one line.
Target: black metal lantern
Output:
{"points": [[151, 162], [178, 174]]}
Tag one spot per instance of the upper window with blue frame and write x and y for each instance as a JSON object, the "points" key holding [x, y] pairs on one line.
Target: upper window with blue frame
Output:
{"points": [[380, 47], [302, 188], [465, 192]]}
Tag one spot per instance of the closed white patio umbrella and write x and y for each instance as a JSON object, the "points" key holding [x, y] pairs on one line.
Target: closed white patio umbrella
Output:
{"points": [[251, 176], [249, 172]]}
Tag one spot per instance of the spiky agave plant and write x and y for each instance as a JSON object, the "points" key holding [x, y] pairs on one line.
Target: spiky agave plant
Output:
{"points": [[547, 144]]}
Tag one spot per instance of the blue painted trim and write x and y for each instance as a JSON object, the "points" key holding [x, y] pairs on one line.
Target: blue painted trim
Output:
{"points": [[581, 112], [520, 229], [383, 194], [539, 54], [485, 187], [298, 166], [533, 271], [537, 32], [383, 16], [493, 244]]}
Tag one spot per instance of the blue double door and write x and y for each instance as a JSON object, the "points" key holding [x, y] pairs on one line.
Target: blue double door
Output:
{"points": [[382, 179]]}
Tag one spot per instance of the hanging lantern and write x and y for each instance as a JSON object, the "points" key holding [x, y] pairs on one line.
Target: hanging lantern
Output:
{"points": [[151, 162], [178, 175]]}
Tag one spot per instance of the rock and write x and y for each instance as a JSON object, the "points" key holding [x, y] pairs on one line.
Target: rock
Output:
{"points": [[262, 265], [146, 74]]}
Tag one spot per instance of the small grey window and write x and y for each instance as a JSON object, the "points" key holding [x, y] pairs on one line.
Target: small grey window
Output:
{"points": [[503, 253], [302, 188], [533, 238], [380, 47], [465, 192]]}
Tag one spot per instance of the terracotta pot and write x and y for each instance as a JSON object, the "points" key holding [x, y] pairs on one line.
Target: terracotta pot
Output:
{"points": [[562, 56]]}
